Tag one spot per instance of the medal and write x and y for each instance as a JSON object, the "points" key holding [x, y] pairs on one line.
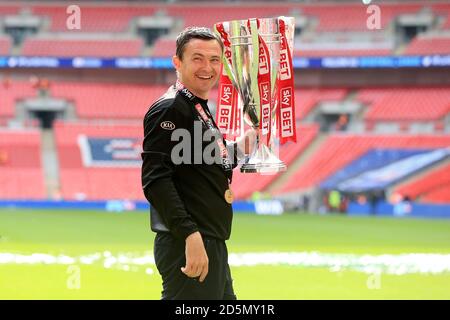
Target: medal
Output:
{"points": [[229, 196]]}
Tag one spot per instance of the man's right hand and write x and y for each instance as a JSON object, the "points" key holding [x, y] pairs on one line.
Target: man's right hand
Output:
{"points": [[196, 257]]}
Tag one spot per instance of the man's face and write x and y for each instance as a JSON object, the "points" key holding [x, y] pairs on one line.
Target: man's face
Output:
{"points": [[199, 68]]}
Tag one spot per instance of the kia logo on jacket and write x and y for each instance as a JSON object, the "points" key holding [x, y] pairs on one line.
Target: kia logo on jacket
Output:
{"points": [[167, 125]]}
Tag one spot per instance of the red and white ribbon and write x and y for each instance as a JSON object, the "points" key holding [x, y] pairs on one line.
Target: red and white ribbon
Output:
{"points": [[286, 103], [227, 109], [265, 90]]}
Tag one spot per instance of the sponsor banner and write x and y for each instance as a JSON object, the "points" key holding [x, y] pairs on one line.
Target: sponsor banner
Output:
{"points": [[363, 62], [110, 152]]}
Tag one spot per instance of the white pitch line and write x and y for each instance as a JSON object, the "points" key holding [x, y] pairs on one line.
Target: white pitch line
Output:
{"points": [[387, 263]]}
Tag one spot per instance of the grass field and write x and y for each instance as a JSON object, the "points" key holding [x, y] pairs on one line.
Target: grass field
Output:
{"points": [[99, 255]]}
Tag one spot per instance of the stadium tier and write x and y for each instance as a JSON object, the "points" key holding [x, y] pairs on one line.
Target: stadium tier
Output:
{"points": [[438, 195], [342, 25], [432, 45], [11, 92], [163, 47], [341, 52], [338, 150], [95, 18], [350, 17], [5, 45], [429, 186], [130, 101], [406, 104], [21, 174], [443, 10], [108, 101], [207, 15], [310, 98], [6, 9], [82, 48]]}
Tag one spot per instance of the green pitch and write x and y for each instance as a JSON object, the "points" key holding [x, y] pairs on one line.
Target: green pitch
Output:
{"points": [[109, 252]]}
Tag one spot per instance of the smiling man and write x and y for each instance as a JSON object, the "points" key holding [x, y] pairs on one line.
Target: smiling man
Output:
{"points": [[190, 203]]}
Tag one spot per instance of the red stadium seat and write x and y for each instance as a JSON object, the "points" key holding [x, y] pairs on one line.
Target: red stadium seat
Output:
{"points": [[10, 93], [82, 48], [425, 46], [427, 185], [442, 10], [8, 9], [108, 101], [208, 15], [438, 195], [21, 174], [307, 99], [353, 17], [406, 104], [344, 53], [164, 48], [5, 45], [95, 18]]}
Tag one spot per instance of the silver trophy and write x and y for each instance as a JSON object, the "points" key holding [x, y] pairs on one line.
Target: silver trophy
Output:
{"points": [[255, 54]]}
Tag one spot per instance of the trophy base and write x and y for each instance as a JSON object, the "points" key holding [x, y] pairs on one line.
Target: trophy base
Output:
{"points": [[263, 168], [263, 162]]}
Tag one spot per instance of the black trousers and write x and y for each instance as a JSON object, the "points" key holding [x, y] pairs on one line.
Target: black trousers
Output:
{"points": [[170, 256]]}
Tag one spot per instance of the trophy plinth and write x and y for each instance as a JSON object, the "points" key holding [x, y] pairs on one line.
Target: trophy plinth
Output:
{"points": [[263, 161]]}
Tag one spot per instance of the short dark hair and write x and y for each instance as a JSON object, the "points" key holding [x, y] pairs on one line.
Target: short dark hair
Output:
{"points": [[194, 33]]}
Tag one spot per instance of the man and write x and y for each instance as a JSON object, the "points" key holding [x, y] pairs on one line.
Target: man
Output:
{"points": [[190, 200]]}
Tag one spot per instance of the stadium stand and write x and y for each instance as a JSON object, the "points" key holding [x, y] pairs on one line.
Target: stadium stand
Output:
{"points": [[108, 101], [82, 48], [443, 11], [207, 15], [407, 104], [342, 52], [6, 9], [10, 93], [311, 97], [340, 149], [428, 186], [429, 45], [163, 47], [96, 18], [343, 22], [350, 17], [438, 195], [5, 45], [21, 175]]}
